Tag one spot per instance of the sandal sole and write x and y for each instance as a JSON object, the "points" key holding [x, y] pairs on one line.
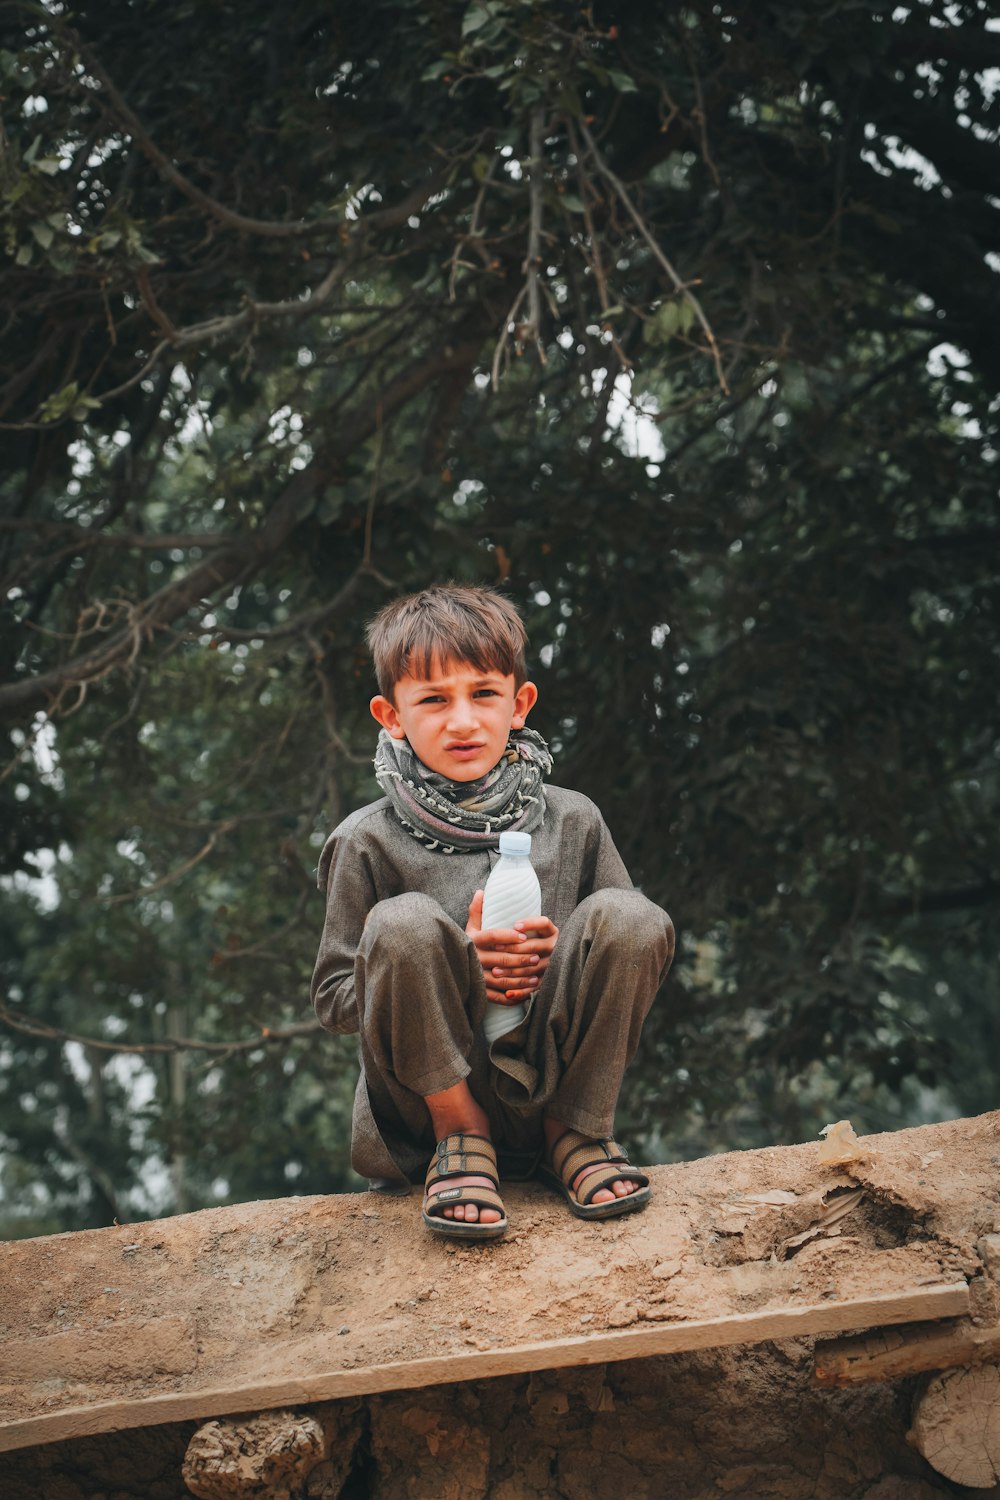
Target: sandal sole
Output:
{"points": [[458, 1229]]}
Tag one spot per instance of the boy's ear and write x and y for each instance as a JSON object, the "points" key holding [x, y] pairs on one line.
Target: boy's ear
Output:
{"points": [[524, 701], [384, 710]]}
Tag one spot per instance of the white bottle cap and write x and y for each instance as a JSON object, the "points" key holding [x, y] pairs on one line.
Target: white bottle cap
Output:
{"points": [[512, 842]]}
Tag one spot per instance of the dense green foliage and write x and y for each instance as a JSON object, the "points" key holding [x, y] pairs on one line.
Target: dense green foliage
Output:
{"points": [[680, 322]]}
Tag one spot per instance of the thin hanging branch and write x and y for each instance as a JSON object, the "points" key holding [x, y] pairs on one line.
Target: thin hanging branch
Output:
{"points": [[531, 330], [679, 284], [266, 1035]]}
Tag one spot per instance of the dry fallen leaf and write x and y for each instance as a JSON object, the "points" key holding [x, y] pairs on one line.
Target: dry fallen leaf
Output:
{"points": [[836, 1205], [840, 1145]]}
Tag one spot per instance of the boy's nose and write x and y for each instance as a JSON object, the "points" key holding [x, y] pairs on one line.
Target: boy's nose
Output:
{"points": [[461, 718]]}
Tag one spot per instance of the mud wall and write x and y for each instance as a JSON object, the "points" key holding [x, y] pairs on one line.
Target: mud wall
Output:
{"points": [[743, 1424]]}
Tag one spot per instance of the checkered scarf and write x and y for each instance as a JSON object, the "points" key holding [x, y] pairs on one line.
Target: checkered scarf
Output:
{"points": [[456, 817]]}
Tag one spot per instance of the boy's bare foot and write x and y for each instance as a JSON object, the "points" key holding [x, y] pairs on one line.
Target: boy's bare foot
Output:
{"points": [[597, 1158], [455, 1111]]}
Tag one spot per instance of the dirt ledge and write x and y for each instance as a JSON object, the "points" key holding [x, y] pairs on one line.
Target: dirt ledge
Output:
{"points": [[237, 1295]]}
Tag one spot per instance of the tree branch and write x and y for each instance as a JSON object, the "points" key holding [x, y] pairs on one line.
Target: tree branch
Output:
{"points": [[680, 286], [267, 1035], [265, 228]]}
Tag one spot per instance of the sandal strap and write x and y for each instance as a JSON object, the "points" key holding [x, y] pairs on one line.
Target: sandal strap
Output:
{"points": [[463, 1155], [437, 1199], [573, 1152], [592, 1185], [593, 1152]]}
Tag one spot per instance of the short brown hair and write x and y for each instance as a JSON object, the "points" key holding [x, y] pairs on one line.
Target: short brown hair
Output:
{"points": [[449, 622]]}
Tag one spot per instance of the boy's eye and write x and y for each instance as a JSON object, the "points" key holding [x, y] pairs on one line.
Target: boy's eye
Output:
{"points": [[432, 698], [485, 693]]}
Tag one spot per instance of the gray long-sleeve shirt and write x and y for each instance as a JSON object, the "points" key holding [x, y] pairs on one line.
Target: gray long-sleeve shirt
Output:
{"points": [[371, 857]]}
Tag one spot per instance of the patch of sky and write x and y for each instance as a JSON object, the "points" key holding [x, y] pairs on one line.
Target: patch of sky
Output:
{"points": [[632, 418]]}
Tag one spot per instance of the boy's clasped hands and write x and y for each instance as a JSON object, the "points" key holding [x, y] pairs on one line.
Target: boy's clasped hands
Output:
{"points": [[513, 958]]}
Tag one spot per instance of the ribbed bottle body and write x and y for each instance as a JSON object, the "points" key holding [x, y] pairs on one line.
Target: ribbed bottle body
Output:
{"points": [[512, 893]]}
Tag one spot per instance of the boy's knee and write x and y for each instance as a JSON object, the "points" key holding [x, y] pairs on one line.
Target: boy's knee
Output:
{"points": [[629, 917], [407, 919]]}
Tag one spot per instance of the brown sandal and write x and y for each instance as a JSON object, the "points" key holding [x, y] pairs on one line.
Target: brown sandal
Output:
{"points": [[571, 1153], [462, 1156]]}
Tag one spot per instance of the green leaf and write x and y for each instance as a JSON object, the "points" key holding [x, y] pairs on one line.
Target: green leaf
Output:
{"points": [[664, 324], [623, 82], [43, 233], [60, 402], [475, 17]]}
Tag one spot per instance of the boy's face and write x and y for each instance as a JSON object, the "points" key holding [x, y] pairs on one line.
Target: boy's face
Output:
{"points": [[457, 719]]}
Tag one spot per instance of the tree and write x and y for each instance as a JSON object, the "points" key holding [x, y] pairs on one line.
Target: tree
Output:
{"points": [[304, 309]]}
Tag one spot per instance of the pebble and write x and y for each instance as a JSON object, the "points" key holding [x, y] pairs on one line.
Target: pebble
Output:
{"points": [[343, 1328], [622, 1315]]}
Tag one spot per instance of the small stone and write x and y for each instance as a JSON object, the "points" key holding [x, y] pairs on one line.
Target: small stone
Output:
{"points": [[464, 1323], [622, 1315], [343, 1329], [666, 1269], [586, 1317]]}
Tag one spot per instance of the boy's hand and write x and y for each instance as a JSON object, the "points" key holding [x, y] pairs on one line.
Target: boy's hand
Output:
{"points": [[513, 958]]}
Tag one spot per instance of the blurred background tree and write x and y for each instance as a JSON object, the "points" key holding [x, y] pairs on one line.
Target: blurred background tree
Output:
{"points": [[677, 322]]}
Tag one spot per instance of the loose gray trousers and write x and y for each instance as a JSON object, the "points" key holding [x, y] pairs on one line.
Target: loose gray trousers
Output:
{"points": [[421, 999]]}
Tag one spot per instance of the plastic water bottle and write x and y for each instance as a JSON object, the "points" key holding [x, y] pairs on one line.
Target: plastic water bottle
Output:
{"points": [[512, 893]]}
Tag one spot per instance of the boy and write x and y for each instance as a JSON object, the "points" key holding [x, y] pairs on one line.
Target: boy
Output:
{"points": [[404, 960]]}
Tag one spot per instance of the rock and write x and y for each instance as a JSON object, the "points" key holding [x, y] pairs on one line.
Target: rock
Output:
{"points": [[274, 1451], [622, 1315]]}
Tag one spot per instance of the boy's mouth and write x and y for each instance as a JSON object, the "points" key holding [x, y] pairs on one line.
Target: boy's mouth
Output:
{"points": [[463, 748]]}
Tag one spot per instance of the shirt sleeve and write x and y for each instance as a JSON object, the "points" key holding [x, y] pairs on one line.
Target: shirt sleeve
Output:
{"points": [[345, 874], [606, 868]]}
